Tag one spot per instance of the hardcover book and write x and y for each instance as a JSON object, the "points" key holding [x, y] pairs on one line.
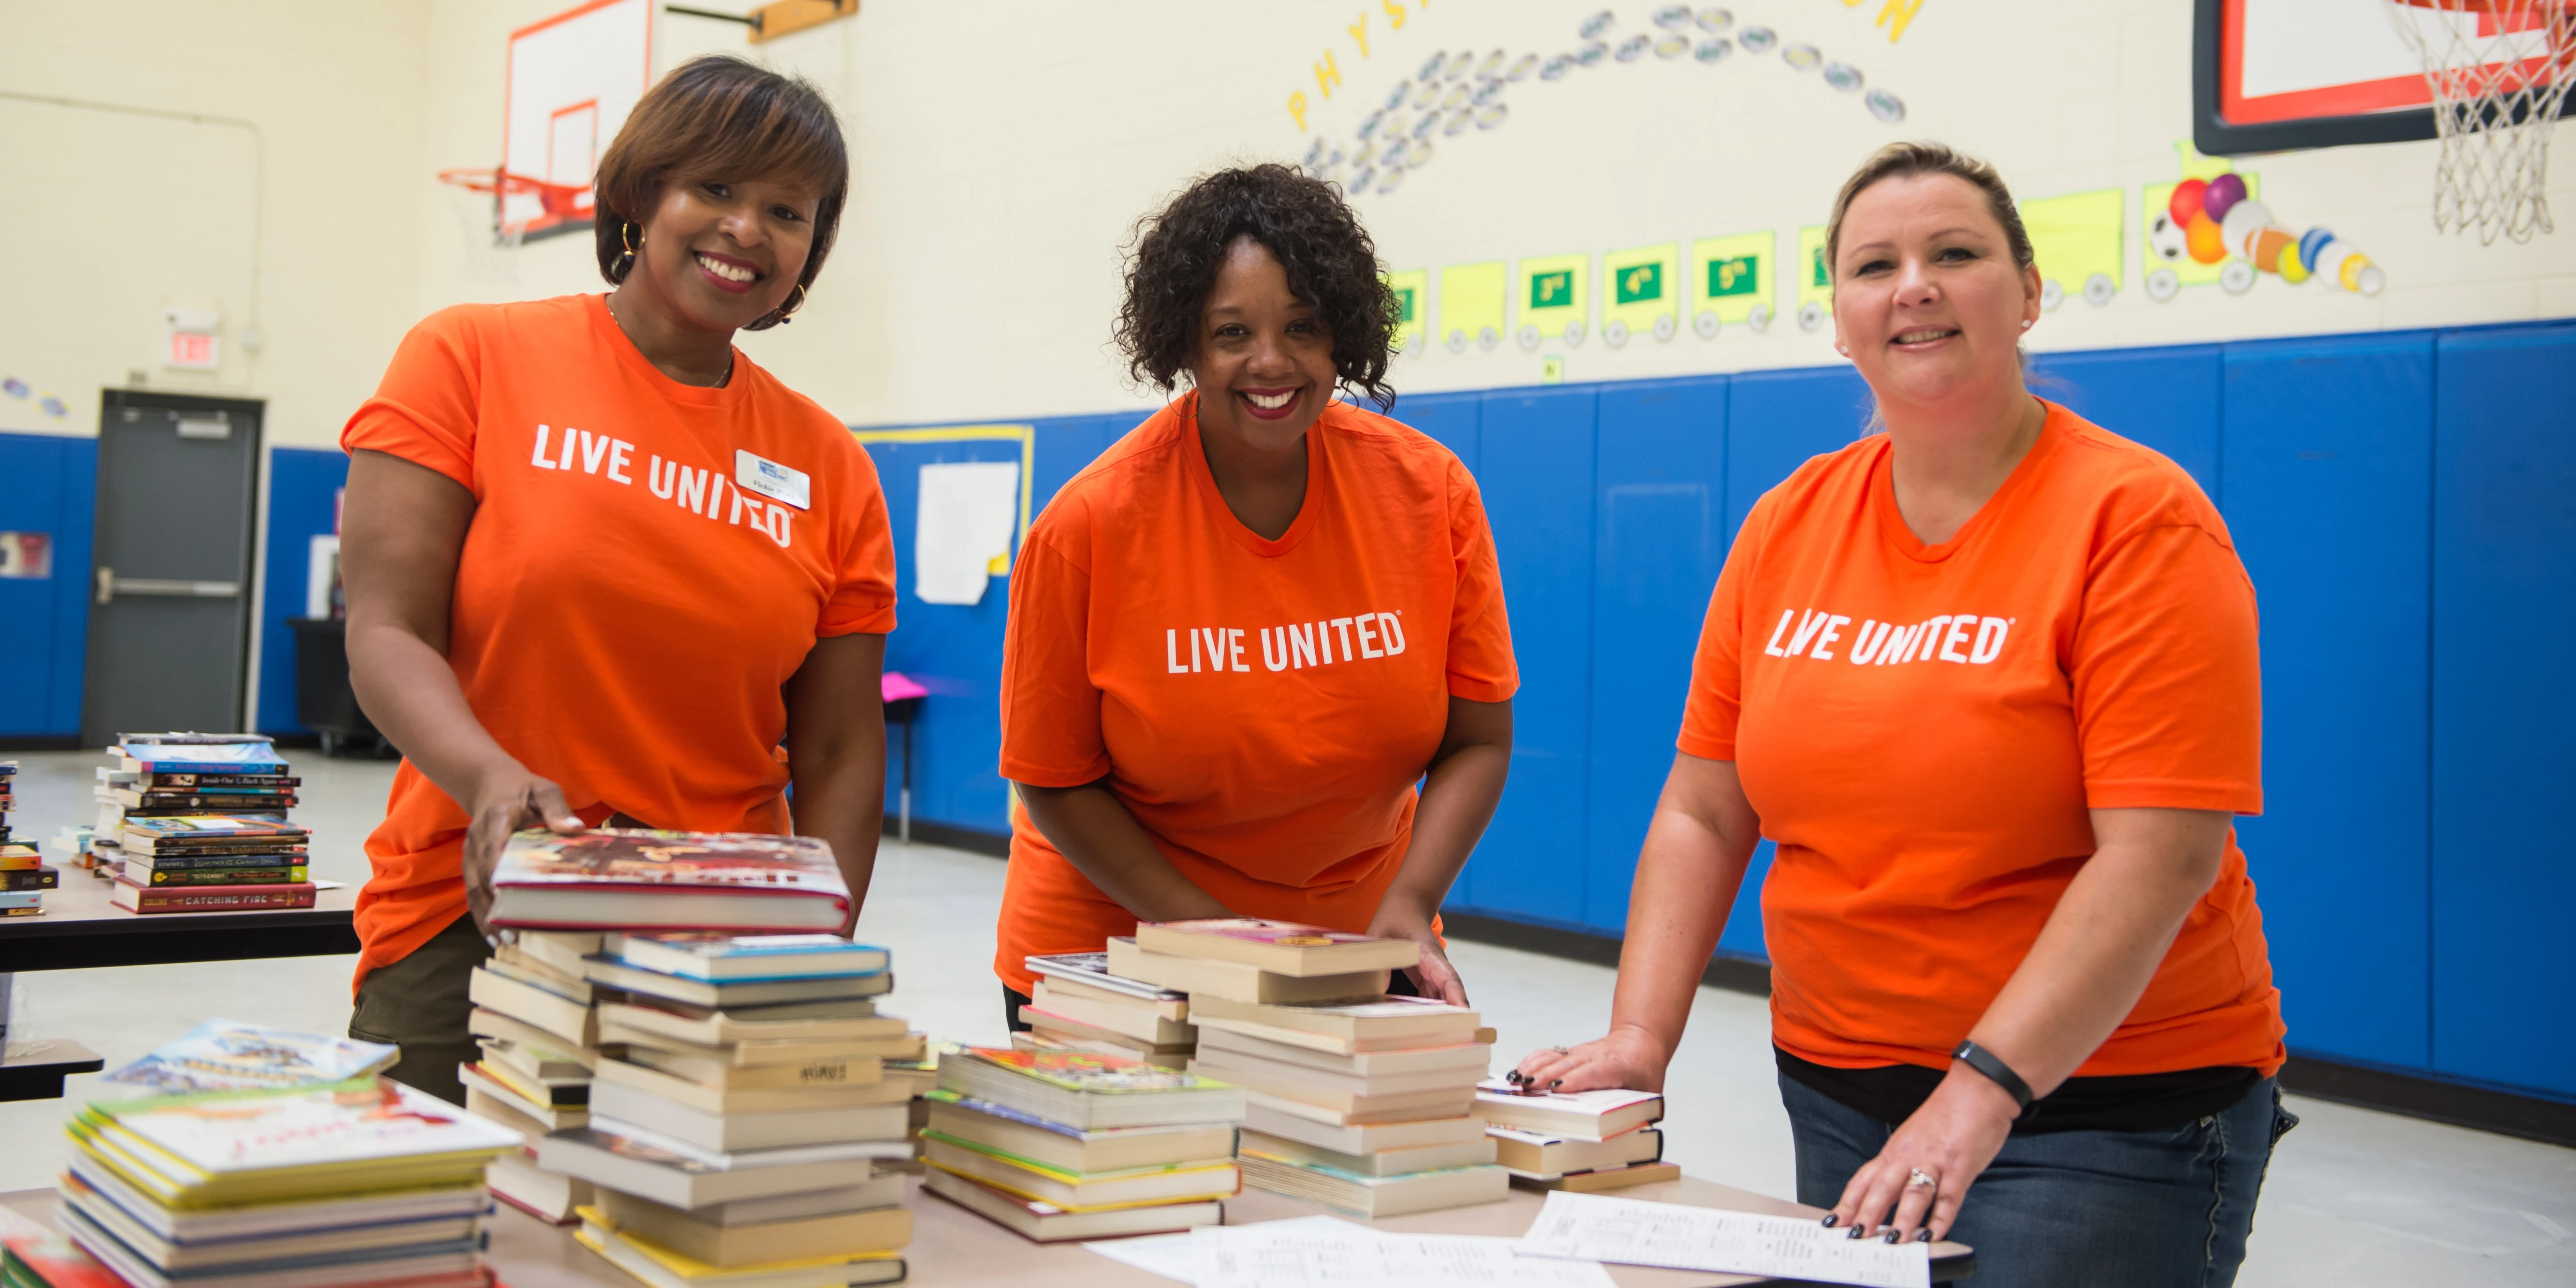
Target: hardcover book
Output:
{"points": [[228, 1055], [631, 878], [1281, 946], [125, 894]]}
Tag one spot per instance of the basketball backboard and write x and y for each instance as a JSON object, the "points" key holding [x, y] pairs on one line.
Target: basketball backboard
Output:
{"points": [[572, 79], [2281, 75]]}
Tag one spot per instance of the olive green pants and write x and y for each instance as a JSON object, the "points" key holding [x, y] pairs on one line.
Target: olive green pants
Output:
{"points": [[419, 1004]]}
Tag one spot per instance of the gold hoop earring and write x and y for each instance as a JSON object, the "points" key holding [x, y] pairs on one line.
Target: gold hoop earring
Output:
{"points": [[626, 237], [794, 302]]}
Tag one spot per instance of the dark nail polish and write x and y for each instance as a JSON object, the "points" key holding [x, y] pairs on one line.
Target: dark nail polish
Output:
{"points": [[1894, 1235], [1857, 1231], [1554, 1083], [1923, 1235], [1831, 1218]]}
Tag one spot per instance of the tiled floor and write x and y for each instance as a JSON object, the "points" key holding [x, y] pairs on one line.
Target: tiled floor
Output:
{"points": [[2355, 1198]]}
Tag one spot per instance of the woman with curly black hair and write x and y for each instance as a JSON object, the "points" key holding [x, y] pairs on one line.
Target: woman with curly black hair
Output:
{"points": [[1241, 637]]}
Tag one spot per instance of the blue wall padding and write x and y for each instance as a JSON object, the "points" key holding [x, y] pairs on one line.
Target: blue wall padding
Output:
{"points": [[48, 484], [1536, 455], [2167, 399], [1455, 420], [1777, 419], [1660, 538], [303, 491], [2503, 762], [2327, 457]]}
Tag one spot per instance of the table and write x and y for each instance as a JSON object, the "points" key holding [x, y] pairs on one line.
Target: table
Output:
{"points": [[82, 929], [952, 1246]]}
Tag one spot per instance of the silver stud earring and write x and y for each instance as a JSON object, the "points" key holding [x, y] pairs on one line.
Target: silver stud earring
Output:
{"points": [[1844, 350], [2025, 323]]}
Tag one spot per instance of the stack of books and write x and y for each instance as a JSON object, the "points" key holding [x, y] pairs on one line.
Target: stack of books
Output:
{"points": [[536, 1020], [24, 878], [1584, 1141], [741, 1121], [1063, 1144], [1081, 1003], [1357, 1100], [200, 825], [358, 1182]]}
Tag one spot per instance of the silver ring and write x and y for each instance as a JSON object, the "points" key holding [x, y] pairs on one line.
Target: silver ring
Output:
{"points": [[1921, 1180], [1560, 1050]]}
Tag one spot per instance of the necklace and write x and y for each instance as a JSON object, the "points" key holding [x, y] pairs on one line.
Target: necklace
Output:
{"points": [[721, 381]]}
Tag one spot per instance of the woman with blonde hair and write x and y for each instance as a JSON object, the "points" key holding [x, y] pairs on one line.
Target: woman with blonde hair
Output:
{"points": [[1989, 679]]}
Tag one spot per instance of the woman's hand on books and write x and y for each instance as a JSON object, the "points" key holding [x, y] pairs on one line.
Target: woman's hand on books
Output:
{"points": [[1434, 977], [503, 803], [1626, 1058]]}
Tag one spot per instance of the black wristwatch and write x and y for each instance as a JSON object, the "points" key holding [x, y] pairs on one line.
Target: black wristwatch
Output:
{"points": [[1996, 1071]]}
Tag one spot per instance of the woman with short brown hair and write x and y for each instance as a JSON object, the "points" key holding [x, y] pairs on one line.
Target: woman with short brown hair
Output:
{"points": [[604, 569], [1990, 681]]}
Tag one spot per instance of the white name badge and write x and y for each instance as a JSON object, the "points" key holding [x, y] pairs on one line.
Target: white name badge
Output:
{"points": [[772, 480]]}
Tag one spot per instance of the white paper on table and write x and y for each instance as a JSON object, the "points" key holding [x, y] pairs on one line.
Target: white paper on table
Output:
{"points": [[1173, 1256], [964, 521], [1631, 1232], [1266, 1256]]}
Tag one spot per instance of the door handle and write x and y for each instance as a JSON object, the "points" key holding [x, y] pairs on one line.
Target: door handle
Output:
{"points": [[110, 586]]}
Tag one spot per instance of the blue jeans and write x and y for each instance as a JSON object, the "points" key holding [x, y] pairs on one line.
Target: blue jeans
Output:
{"points": [[2097, 1209]]}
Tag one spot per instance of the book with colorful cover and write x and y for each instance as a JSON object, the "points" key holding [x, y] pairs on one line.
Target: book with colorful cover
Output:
{"points": [[147, 900], [228, 1055], [211, 1149], [36, 1257], [1284, 947], [638, 879], [1087, 1091]]}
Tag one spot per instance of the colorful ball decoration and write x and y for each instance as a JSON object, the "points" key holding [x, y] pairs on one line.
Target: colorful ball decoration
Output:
{"points": [[2201, 236], [2185, 201], [2222, 195]]}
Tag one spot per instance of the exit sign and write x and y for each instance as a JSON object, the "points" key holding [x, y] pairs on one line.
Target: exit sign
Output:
{"points": [[193, 350]]}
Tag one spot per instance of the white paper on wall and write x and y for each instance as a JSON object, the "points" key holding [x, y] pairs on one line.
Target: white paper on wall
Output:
{"points": [[962, 525]]}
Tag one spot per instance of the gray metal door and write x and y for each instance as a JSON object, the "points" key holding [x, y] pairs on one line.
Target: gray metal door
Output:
{"points": [[169, 618]]}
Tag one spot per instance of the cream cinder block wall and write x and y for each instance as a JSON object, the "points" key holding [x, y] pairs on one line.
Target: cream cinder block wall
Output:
{"points": [[291, 208], [1003, 153]]}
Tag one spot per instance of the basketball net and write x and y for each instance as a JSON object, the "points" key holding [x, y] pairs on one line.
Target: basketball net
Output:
{"points": [[2498, 71]]}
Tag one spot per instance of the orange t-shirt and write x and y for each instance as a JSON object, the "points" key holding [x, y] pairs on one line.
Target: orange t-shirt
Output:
{"points": [[1922, 728], [1264, 708], [625, 611]]}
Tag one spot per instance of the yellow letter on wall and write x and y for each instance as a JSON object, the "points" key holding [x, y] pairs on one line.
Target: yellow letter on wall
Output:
{"points": [[1328, 73], [1297, 108], [1359, 32], [1902, 11], [1394, 13]]}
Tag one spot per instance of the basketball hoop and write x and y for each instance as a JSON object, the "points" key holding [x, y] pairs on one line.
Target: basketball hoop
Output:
{"points": [[2498, 71]]}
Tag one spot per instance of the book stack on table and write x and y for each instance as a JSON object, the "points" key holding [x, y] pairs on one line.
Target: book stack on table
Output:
{"points": [[1584, 1141], [1063, 1144], [364, 1182], [1080, 1003], [24, 878], [742, 1124], [537, 1022], [200, 825], [1356, 1100]]}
